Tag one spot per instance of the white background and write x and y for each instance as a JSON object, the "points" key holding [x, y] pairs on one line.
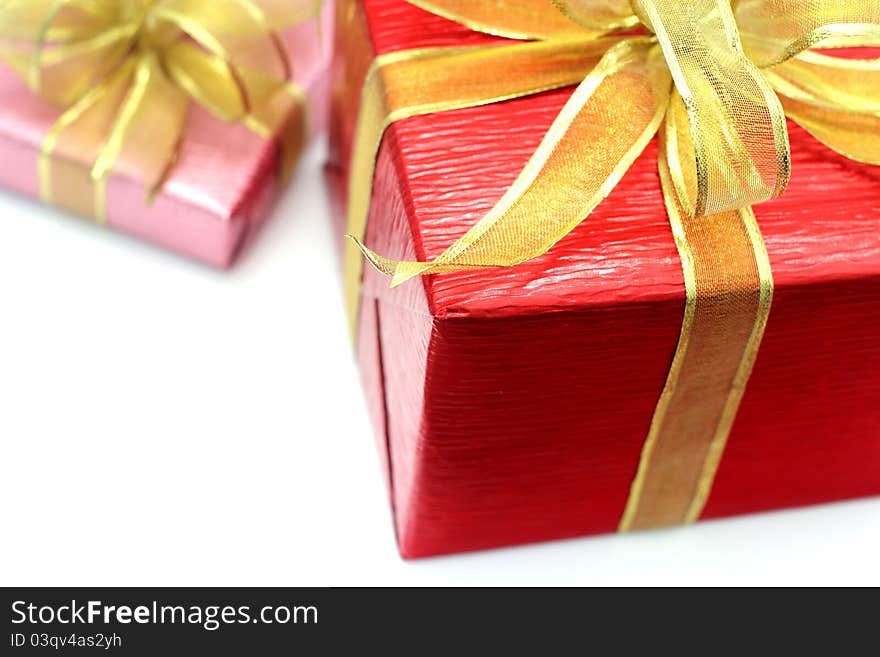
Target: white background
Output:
{"points": [[163, 423]]}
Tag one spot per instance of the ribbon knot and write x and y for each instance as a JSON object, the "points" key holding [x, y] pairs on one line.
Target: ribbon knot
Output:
{"points": [[150, 37], [730, 125]]}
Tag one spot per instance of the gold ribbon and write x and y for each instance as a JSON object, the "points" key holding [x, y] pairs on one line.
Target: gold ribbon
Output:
{"points": [[126, 71], [716, 79]]}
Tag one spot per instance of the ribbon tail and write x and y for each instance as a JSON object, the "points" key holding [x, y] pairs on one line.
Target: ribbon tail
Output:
{"points": [[399, 271], [581, 159], [423, 81]]}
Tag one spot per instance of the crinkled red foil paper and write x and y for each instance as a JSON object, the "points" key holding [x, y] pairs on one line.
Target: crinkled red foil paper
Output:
{"points": [[511, 405]]}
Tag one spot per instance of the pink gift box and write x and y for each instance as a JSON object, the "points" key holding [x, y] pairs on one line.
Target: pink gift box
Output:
{"points": [[224, 183]]}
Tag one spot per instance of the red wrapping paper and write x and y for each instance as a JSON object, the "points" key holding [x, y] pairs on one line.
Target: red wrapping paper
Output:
{"points": [[511, 405]]}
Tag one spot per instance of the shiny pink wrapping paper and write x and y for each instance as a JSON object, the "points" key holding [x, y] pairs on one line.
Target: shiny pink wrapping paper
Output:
{"points": [[225, 181]]}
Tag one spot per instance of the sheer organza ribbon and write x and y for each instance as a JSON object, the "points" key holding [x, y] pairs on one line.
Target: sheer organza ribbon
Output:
{"points": [[125, 73], [715, 80]]}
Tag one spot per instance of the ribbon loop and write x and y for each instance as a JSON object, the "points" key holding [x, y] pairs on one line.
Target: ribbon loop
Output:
{"points": [[837, 100], [604, 15], [61, 48], [774, 31], [235, 32], [207, 79], [514, 19]]}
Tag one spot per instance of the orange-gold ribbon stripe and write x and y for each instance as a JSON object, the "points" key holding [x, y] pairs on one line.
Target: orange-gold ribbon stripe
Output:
{"points": [[729, 290]]}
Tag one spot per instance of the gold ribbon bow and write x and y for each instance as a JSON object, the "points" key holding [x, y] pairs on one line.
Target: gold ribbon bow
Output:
{"points": [[126, 71], [715, 79]]}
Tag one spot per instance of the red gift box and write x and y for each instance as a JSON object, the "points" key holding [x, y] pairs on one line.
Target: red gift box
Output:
{"points": [[512, 405]]}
